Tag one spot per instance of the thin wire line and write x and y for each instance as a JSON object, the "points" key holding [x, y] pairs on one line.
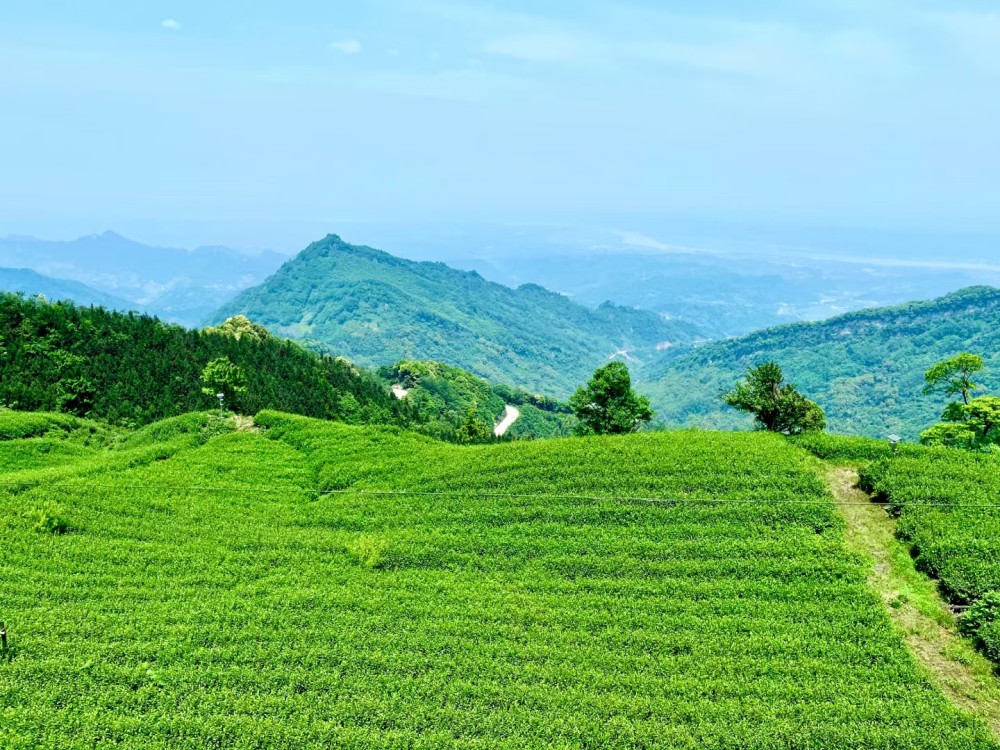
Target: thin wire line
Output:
{"points": [[487, 494]]}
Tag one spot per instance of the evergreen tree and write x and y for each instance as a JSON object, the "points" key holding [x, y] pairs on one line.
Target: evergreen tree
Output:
{"points": [[777, 406], [607, 405]]}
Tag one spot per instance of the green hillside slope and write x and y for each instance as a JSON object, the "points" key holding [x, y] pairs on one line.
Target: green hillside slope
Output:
{"points": [[865, 368], [133, 368], [377, 309], [207, 593], [451, 392]]}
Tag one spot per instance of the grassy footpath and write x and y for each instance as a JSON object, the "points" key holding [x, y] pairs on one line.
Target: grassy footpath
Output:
{"points": [[915, 604]]}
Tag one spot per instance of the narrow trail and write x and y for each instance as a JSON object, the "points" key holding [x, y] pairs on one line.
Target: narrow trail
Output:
{"points": [[916, 607]]}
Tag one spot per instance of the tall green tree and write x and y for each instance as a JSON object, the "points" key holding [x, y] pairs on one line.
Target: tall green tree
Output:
{"points": [[221, 376], [776, 406], [953, 376], [473, 429], [608, 405], [969, 424]]}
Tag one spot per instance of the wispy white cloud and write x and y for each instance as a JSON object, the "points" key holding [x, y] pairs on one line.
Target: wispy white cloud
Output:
{"points": [[170, 24], [346, 46], [546, 46]]}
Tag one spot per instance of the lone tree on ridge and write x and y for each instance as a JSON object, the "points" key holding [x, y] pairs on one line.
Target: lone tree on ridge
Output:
{"points": [[222, 376], [777, 406], [607, 405], [954, 376]]}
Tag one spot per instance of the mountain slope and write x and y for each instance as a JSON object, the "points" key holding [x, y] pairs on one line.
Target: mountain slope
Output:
{"points": [[180, 286], [865, 368], [32, 284], [135, 369], [450, 392], [376, 309]]}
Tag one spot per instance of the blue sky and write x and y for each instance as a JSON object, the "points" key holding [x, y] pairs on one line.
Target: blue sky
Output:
{"points": [[257, 122]]}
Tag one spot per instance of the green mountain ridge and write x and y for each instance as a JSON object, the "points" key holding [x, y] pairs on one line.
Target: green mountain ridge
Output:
{"points": [[131, 368], [376, 309], [864, 368]]}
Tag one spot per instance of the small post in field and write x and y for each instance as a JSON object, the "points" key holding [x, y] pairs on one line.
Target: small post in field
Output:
{"points": [[4, 649]]}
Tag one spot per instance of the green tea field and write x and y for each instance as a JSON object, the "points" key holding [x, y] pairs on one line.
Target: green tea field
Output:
{"points": [[306, 584]]}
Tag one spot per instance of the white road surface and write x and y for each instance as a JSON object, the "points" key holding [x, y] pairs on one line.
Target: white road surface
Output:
{"points": [[510, 415]]}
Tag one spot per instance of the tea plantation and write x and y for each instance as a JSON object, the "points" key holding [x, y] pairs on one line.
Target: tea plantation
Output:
{"points": [[319, 585], [948, 503]]}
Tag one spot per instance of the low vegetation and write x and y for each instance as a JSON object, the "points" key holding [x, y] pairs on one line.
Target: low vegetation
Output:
{"points": [[948, 504], [319, 584]]}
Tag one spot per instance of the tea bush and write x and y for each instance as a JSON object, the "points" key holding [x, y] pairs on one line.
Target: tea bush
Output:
{"points": [[320, 585]]}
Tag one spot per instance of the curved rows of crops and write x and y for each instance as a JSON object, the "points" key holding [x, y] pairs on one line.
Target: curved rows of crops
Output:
{"points": [[948, 503], [320, 585]]}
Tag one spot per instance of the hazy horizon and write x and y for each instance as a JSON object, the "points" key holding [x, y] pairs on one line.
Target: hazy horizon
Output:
{"points": [[257, 127]]}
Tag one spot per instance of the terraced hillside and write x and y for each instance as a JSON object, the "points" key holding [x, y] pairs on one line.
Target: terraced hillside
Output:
{"points": [[948, 503], [323, 585]]}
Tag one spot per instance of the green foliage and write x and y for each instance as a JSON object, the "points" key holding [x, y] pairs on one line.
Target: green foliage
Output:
{"points": [[775, 405], [196, 428], [49, 518], [376, 309], [214, 599], [133, 369], [241, 327], [949, 513], [473, 429], [221, 376], [441, 396], [15, 425], [971, 426], [982, 623], [863, 368], [608, 405], [370, 551], [846, 449], [953, 376]]}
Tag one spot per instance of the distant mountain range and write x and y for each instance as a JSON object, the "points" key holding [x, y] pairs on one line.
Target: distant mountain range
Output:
{"points": [[376, 309], [32, 284], [865, 368], [177, 285], [727, 280]]}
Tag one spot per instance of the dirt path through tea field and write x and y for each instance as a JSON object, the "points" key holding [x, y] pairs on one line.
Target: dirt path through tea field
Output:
{"points": [[912, 600]]}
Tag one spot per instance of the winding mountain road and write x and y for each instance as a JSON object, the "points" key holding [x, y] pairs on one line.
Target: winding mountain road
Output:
{"points": [[510, 415]]}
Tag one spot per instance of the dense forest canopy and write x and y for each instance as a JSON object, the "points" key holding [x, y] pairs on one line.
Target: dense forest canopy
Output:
{"points": [[865, 369], [132, 368]]}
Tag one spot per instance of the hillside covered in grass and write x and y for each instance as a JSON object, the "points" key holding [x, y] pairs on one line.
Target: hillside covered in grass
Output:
{"points": [[866, 369], [378, 309], [314, 584]]}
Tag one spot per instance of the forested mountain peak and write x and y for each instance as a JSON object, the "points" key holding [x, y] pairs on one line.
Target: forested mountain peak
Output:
{"points": [[376, 309]]}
